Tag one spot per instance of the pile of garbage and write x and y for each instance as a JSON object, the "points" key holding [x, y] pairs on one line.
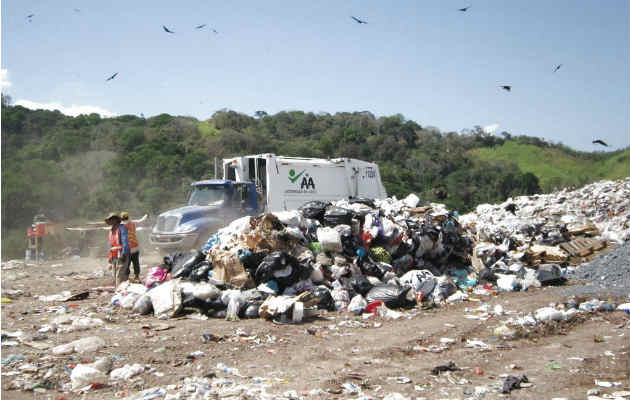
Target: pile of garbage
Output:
{"points": [[358, 254], [370, 256], [538, 231]]}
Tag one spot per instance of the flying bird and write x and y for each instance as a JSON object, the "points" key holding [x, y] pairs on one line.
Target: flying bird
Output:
{"points": [[506, 87], [200, 26], [111, 77], [166, 29], [215, 31], [77, 10], [464, 9], [598, 141], [30, 16], [557, 68], [358, 20]]}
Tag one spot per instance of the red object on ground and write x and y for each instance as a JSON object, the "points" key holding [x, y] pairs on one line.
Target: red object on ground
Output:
{"points": [[478, 371], [371, 308]]}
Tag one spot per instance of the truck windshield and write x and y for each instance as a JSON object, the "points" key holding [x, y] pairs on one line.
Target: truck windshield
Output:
{"points": [[207, 196]]}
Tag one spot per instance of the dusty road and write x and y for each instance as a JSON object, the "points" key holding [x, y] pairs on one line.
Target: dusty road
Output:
{"points": [[561, 359]]}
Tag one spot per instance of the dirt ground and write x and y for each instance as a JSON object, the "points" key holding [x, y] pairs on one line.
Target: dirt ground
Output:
{"points": [[561, 359]]}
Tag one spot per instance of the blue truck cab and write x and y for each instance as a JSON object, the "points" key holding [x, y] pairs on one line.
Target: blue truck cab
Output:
{"points": [[212, 204]]}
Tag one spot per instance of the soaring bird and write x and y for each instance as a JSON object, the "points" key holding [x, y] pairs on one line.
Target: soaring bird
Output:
{"points": [[111, 77], [358, 20], [557, 68], [464, 9], [215, 31], [200, 26], [506, 87], [599, 141], [77, 10], [30, 16], [166, 29]]}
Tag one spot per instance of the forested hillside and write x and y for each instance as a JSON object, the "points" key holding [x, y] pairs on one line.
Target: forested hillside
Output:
{"points": [[74, 168]]}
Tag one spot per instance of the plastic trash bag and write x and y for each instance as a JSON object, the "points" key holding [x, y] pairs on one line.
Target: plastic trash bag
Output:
{"points": [[290, 218], [166, 298], [422, 281], [280, 267], [85, 374], [357, 304], [143, 305], [372, 269], [443, 289], [337, 216], [183, 266], [155, 275], [550, 274], [329, 239], [314, 210], [393, 296], [200, 273], [319, 297], [341, 298], [361, 285]]}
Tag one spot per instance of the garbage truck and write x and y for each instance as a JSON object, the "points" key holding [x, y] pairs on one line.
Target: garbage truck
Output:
{"points": [[261, 183]]}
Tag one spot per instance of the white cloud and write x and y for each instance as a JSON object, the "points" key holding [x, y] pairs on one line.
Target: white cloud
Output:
{"points": [[490, 128], [72, 110], [4, 78]]}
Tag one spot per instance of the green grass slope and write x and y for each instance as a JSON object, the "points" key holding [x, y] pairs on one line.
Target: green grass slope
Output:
{"points": [[557, 168]]}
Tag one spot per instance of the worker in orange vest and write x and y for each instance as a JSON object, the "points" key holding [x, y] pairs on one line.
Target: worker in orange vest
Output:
{"points": [[134, 249], [118, 248]]}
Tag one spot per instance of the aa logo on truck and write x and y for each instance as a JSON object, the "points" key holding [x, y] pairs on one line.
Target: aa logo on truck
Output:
{"points": [[307, 185]]}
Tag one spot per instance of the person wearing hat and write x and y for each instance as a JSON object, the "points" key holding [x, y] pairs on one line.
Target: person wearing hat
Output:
{"points": [[134, 250], [118, 247]]}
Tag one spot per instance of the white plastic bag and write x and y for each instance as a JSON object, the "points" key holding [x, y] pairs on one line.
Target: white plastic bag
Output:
{"points": [[329, 239], [357, 304], [126, 372], [291, 218], [166, 298], [85, 374]]}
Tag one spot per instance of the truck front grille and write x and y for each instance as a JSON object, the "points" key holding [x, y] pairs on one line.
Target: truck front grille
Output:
{"points": [[167, 223]]}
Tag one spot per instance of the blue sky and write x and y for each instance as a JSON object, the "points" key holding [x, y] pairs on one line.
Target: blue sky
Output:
{"points": [[424, 59]]}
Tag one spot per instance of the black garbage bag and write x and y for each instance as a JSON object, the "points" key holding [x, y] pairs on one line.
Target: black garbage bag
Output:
{"points": [[200, 273], [445, 367], [253, 260], [250, 309], [513, 382], [350, 244], [363, 200], [426, 287], [550, 274], [314, 210], [170, 259], [183, 266], [393, 296], [370, 268], [361, 285], [487, 275], [319, 297], [281, 267], [337, 216]]}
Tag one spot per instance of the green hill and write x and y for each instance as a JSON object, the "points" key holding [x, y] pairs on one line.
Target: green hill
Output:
{"points": [[80, 168], [557, 167]]}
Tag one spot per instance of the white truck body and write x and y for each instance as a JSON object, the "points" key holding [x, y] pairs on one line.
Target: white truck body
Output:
{"points": [[285, 183]]}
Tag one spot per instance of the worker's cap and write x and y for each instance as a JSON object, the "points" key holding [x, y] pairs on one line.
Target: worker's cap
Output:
{"points": [[112, 216], [124, 215]]}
